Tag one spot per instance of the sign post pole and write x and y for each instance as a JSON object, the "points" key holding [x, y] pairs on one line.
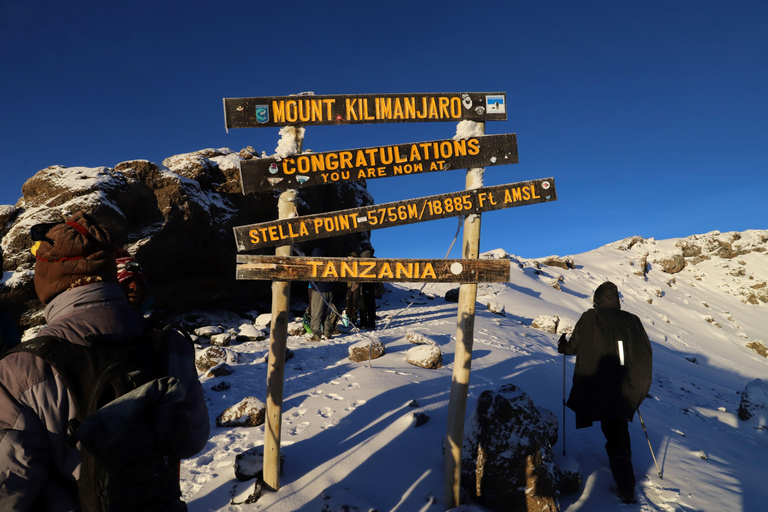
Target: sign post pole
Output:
{"points": [[278, 334], [462, 363]]}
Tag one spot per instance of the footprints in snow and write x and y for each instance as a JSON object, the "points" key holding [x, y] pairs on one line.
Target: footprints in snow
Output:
{"points": [[326, 413]]}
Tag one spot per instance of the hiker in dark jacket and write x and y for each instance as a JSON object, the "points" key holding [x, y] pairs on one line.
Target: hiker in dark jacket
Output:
{"points": [[611, 379], [76, 280]]}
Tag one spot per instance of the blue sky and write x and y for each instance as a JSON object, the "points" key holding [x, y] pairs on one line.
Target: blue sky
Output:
{"points": [[651, 116]]}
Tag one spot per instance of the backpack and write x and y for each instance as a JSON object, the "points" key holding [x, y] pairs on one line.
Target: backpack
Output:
{"points": [[131, 417]]}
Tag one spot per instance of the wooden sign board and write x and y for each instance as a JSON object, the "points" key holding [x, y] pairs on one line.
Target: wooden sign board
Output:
{"points": [[299, 268], [306, 110], [310, 169], [354, 220]]}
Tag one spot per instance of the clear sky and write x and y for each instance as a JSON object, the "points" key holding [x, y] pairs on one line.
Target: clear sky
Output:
{"points": [[651, 116]]}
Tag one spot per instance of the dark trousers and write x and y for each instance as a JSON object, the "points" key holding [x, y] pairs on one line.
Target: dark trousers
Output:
{"points": [[352, 302], [368, 306], [619, 449], [320, 320]]}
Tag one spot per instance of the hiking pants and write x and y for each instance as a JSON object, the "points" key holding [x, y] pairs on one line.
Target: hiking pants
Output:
{"points": [[619, 449]]}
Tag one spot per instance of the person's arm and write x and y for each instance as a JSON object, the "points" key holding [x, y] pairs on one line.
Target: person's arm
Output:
{"points": [[24, 443], [570, 347]]}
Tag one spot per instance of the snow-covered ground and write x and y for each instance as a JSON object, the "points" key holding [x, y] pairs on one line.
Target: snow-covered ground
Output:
{"points": [[349, 435]]}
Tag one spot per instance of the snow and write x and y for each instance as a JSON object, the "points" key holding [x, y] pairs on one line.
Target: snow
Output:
{"points": [[349, 431]]}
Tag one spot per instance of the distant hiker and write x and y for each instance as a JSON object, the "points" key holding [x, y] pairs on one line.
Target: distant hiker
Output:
{"points": [[352, 298], [612, 377], [132, 280], [45, 439], [367, 303], [320, 300]]}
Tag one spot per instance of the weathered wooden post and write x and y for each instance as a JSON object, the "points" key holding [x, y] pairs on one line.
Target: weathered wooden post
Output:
{"points": [[278, 337], [457, 404]]}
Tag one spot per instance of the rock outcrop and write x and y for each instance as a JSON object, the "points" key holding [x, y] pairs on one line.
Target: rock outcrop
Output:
{"points": [[507, 462], [177, 219]]}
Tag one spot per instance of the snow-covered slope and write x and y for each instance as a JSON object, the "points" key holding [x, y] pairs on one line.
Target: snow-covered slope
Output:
{"points": [[349, 434]]}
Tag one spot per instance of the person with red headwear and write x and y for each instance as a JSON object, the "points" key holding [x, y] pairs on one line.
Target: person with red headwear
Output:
{"points": [[132, 279]]}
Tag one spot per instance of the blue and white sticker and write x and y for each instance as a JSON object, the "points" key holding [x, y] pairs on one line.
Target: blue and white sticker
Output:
{"points": [[273, 168], [302, 179], [495, 104], [262, 113]]}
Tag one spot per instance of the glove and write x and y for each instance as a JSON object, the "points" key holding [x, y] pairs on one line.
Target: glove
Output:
{"points": [[561, 344]]}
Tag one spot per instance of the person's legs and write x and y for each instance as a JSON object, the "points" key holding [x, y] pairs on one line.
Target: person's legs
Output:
{"points": [[619, 449], [318, 313]]}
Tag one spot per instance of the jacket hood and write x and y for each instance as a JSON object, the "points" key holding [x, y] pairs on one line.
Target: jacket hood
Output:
{"points": [[607, 296]]}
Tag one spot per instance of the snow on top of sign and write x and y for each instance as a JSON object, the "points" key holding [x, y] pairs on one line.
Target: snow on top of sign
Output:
{"points": [[466, 129], [288, 144]]}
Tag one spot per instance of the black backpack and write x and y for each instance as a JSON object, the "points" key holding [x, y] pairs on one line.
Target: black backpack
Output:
{"points": [[131, 417]]}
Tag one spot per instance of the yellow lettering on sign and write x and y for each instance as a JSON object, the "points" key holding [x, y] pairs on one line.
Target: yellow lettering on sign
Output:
{"points": [[351, 114], [433, 109], [386, 271], [347, 271], [332, 161], [345, 159], [330, 270], [384, 108], [428, 271], [444, 107], [415, 152], [278, 111], [386, 158], [360, 160], [401, 271], [398, 114], [314, 264], [369, 266], [254, 234], [474, 146], [410, 108]]}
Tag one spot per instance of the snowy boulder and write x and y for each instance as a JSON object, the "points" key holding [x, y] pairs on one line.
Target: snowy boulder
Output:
{"points": [[418, 338], [364, 350], [546, 323], [249, 412], [568, 474], [670, 262], [565, 262], [220, 370], [248, 332], [221, 340], [496, 308], [263, 320], [250, 464], [296, 328], [213, 356], [426, 356], [754, 402], [507, 461], [208, 331]]}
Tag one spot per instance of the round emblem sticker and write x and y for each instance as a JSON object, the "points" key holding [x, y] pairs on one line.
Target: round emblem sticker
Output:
{"points": [[545, 185], [456, 268]]}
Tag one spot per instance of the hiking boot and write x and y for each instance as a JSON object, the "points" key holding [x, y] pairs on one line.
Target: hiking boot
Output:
{"points": [[313, 337], [328, 335], [627, 496]]}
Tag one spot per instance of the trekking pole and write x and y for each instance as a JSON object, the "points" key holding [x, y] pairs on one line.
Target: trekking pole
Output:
{"points": [[563, 405], [649, 443]]}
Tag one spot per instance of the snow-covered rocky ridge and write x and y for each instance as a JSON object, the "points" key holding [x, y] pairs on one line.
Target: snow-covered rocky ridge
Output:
{"points": [[354, 434]]}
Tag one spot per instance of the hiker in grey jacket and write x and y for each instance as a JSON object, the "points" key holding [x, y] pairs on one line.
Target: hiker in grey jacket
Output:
{"points": [[75, 278]]}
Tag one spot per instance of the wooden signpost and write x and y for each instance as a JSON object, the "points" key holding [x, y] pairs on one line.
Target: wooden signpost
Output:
{"points": [[385, 215], [298, 268], [310, 169], [309, 110]]}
